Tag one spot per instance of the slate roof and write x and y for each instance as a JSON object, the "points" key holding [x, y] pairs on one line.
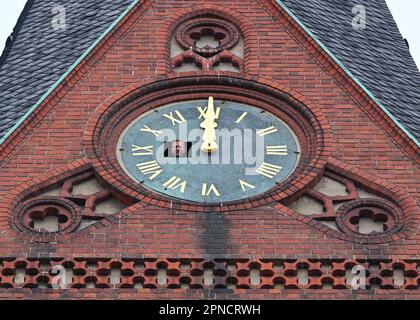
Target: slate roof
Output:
{"points": [[36, 55], [378, 56]]}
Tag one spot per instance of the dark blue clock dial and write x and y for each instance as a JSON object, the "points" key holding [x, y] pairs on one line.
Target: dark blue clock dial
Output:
{"points": [[162, 150]]}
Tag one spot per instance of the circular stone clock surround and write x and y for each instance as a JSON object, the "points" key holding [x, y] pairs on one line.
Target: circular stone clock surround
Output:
{"points": [[108, 124], [254, 151]]}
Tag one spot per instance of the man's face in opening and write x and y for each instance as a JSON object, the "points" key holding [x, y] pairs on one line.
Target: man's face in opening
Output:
{"points": [[178, 148]]}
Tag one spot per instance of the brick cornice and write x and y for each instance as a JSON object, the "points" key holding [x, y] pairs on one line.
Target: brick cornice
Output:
{"points": [[185, 277]]}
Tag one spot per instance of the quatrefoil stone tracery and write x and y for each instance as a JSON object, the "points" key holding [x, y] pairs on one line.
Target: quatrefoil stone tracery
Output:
{"points": [[32, 214], [207, 42], [380, 211], [225, 34]]}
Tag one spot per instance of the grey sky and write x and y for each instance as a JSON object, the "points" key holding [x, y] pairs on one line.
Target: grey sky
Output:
{"points": [[405, 13]]}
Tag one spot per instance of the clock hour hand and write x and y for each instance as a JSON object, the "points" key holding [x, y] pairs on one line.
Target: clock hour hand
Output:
{"points": [[209, 136]]}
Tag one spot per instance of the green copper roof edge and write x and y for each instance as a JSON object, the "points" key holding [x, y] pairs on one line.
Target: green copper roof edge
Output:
{"points": [[69, 70], [366, 90]]}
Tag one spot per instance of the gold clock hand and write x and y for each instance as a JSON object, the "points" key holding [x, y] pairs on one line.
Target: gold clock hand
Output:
{"points": [[209, 136]]}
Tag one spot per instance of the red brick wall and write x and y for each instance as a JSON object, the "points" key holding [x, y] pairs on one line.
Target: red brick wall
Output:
{"points": [[275, 51]]}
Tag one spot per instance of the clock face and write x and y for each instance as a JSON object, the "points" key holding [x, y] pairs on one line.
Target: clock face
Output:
{"points": [[208, 151]]}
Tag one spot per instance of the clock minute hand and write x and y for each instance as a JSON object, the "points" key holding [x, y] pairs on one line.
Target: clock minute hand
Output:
{"points": [[209, 136]]}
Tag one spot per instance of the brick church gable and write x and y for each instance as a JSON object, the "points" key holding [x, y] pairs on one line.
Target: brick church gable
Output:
{"points": [[353, 199]]}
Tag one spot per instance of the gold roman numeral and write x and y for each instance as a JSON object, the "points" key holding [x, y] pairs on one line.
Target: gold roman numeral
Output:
{"points": [[276, 150], [204, 110], [241, 117], [175, 183], [152, 131], [207, 191], [266, 131], [177, 118], [151, 168], [268, 170], [142, 151], [245, 185]]}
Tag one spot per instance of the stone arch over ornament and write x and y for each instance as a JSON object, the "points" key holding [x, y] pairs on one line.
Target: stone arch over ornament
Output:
{"points": [[38, 198], [387, 202], [179, 16]]}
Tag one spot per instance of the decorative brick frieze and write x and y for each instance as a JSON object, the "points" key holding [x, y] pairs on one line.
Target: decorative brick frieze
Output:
{"points": [[198, 273]]}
